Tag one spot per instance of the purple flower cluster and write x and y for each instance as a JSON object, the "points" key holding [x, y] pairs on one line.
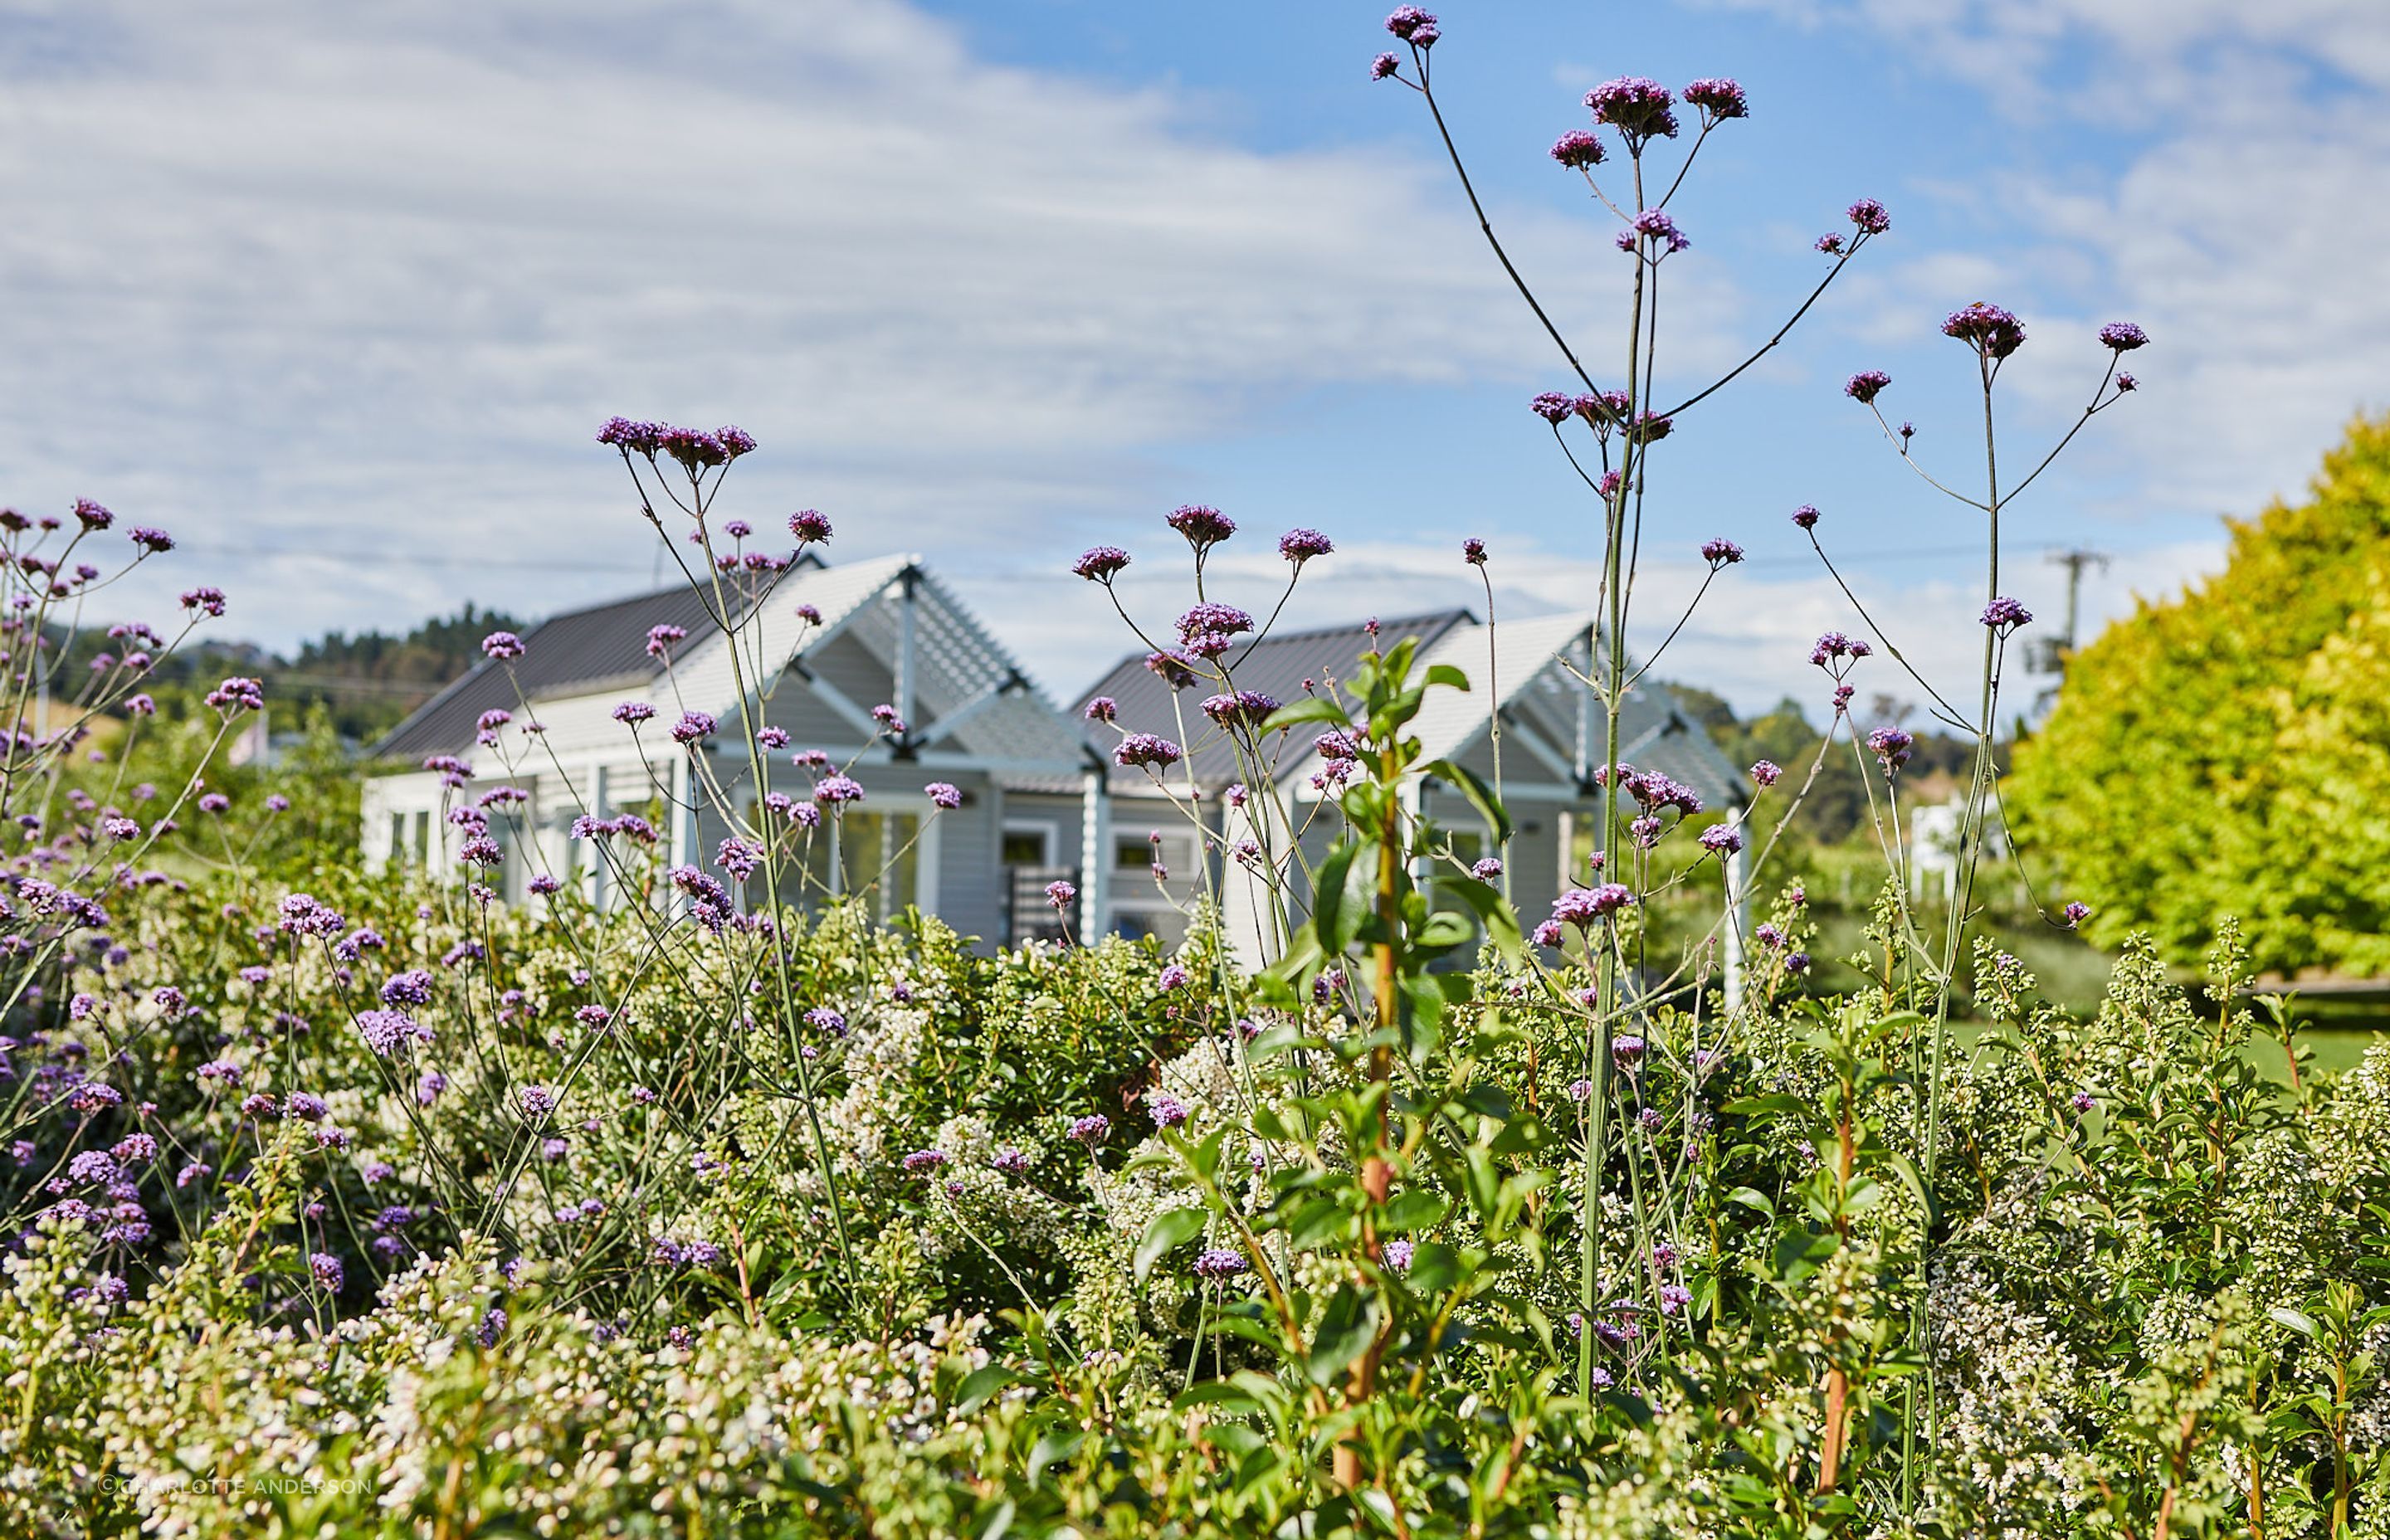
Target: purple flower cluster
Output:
{"points": [[1866, 385], [1584, 907], [1991, 331], [1101, 562], [387, 1031], [1216, 1263], [1149, 749], [1580, 149], [1203, 526], [1240, 708], [1835, 652], [238, 694], [1891, 746], [1720, 551], [1641, 110], [2123, 336], [1300, 545], [1654, 225], [2006, 615], [1719, 99], [1414, 26]]}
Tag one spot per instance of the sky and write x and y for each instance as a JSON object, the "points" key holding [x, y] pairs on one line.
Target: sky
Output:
{"points": [[339, 294]]}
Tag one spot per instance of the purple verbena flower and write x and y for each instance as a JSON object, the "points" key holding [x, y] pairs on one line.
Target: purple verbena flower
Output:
{"points": [[1891, 746], [1203, 526], [1991, 331], [1580, 149], [1101, 562], [2006, 615], [1148, 750], [1218, 1263], [1300, 545], [1866, 385], [1719, 98], [1582, 906], [1639, 108]]}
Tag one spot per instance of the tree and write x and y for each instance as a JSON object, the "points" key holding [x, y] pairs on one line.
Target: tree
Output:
{"points": [[2227, 753]]}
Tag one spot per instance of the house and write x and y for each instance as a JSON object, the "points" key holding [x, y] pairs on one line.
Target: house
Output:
{"points": [[888, 634], [1553, 750], [1042, 799]]}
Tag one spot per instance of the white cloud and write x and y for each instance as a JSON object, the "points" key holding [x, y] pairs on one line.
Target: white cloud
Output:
{"points": [[364, 279], [1748, 639], [2238, 216]]}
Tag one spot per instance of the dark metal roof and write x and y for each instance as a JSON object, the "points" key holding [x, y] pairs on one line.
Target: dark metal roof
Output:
{"points": [[585, 647], [1277, 666]]}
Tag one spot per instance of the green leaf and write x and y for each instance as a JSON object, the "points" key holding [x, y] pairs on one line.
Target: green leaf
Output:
{"points": [[1415, 1209], [982, 1383], [1435, 1266], [1494, 912], [1056, 1445], [1311, 708], [1444, 929], [1342, 893], [1168, 1232], [2297, 1321], [1906, 1170], [1445, 673], [1217, 1392], [1480, 795], [1346, 1329]]}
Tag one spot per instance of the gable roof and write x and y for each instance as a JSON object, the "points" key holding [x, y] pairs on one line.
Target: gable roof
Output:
{"points": [[1654, 728], [581, 650], [1540, 695], [961, 675], [1277, 666]]}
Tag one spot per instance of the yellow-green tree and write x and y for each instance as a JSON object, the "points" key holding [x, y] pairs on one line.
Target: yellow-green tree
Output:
{"points": [[2227, 753]]}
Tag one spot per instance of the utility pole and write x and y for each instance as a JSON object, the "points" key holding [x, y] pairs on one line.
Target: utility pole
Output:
{"points": [[2051, 654]]}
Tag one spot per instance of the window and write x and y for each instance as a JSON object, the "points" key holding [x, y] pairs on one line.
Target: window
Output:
{"points": [[1132, 855], [881, 856], [1026, 845]]}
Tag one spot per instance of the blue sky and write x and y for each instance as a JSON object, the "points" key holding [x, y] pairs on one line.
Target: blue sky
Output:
{"points": [[339, 294]]}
